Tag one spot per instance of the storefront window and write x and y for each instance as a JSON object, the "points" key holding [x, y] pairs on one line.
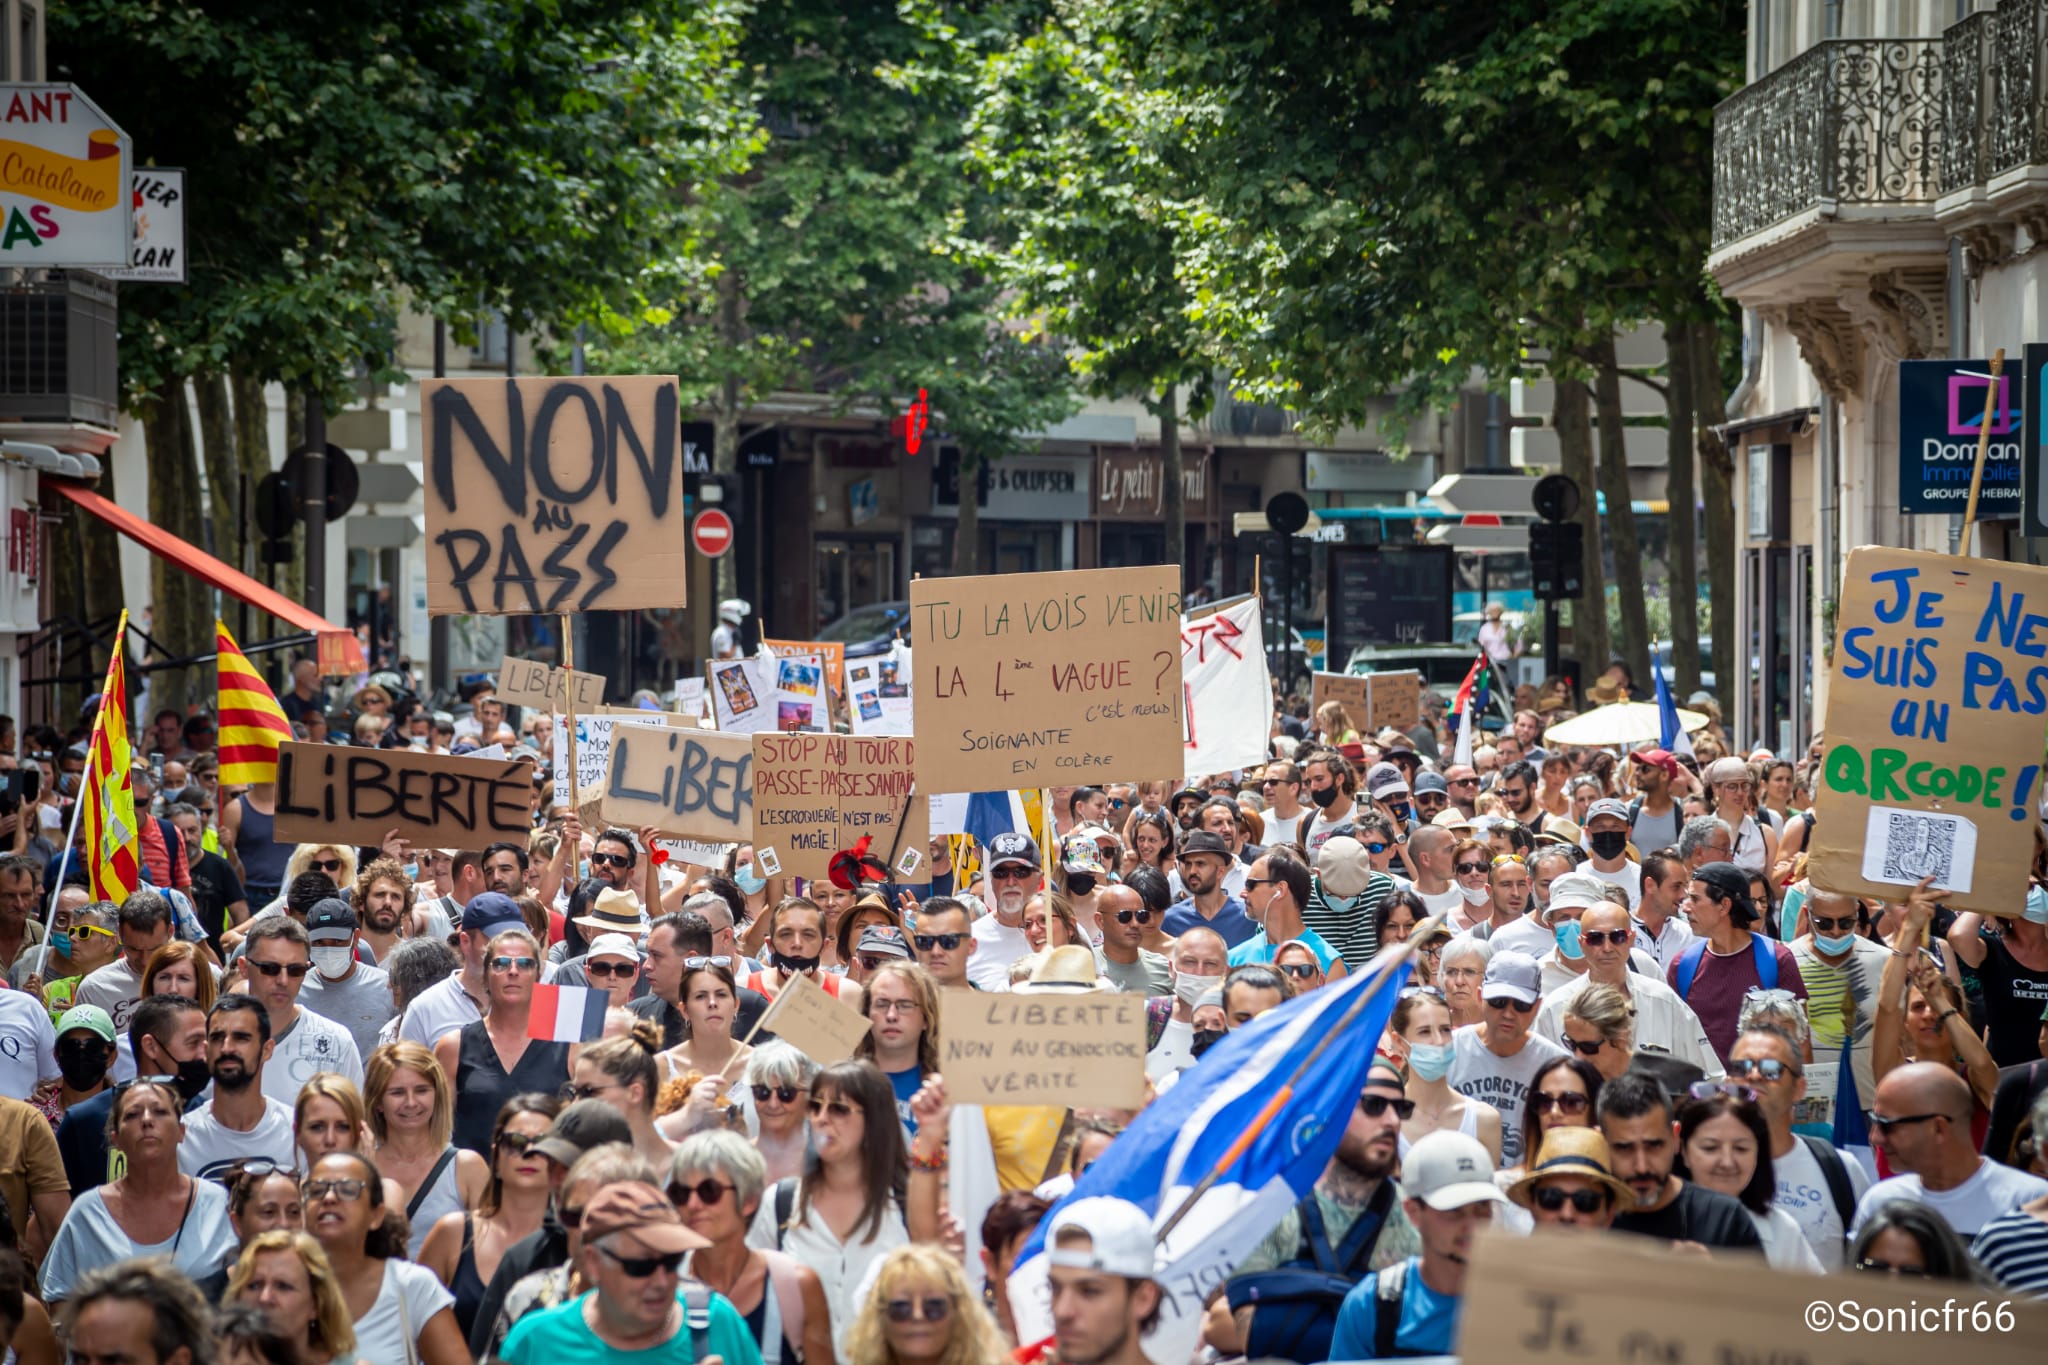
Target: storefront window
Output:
{"points": [[853, 573]]}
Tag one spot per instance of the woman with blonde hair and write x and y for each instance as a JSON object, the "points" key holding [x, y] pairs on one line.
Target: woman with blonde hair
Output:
{"points": [[412, 1115], [180, 968], [464, 1249], [1333, 722], [622, 1070], [288, 1276], [338, 861], [329, 1116], [921, 1311], [1599, 1025], [493, 1059]]}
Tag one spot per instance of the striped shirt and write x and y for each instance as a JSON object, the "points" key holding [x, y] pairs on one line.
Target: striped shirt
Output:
{"points": [[2014, 1248], [1349, 927]]}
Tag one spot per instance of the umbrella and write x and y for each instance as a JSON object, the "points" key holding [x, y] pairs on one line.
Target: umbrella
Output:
{"points": [[1622, 722]]}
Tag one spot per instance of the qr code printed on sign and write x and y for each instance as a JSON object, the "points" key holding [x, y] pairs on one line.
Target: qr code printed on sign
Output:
{"points": [[1918, 846]]}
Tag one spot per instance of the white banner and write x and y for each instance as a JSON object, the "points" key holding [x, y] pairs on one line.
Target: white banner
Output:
{"points": [[1229, 693], [878, 692], [593, 753]]}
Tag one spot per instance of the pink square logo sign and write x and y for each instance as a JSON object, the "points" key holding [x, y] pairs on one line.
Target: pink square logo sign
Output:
{"points": [[1966, 405]]}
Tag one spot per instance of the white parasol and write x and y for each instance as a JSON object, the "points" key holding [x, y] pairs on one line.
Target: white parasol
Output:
{"points": [[1622, 722]]}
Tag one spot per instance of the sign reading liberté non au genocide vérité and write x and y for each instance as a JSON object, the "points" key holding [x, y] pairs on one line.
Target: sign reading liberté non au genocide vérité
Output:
{"points": [[553, 494], [1044, 679], [1937, 709]]}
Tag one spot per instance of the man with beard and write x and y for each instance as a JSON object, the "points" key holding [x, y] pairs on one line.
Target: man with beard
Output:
{"points": [[1013, 877], [1654, 818], [382, 900], [1355, 1205], [1330, 782], [1636, 1119], [1517, 791], [168, 1034], [1204, 862], [241, 1123], [505, 868]]}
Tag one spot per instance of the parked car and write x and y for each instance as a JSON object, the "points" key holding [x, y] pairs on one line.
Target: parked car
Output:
{"points": [[870, 629]]}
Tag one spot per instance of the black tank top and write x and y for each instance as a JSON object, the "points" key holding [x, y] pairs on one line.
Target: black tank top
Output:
{"points": [[469, 1286], [482, 1085]]}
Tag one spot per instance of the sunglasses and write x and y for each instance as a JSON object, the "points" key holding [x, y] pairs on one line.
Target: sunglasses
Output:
{"points": [[1300, 971], [1550, 1199], [348, 1189], [1887, 1268], [926, 942], [840, 1109], [1845, 924], [519, 964], [594, 970], [707, 1192], [1518, 1006], [870, 961], [1570, 1102], [1133, 916], [518, 1142], [1885, 1125], [1596, 938], [1467, 869], [1585, 1048], [1377, 848], [785, 1093], [611, 860], [935, 1309], [1265, 782], [1462, 782], [325, 864], [1012, 873], [693, 963], [1515, 858], [294, 970], [573, 1092], [1706, 1090], [1376, 1106], [640, 1267], [570, 1218], [1761, 1069], [88, 930]]}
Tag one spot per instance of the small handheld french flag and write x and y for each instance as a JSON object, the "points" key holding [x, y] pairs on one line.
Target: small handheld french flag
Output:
{"points": [[568, 1014]]}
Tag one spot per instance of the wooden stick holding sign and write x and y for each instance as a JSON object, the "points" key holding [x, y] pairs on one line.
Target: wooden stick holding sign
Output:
{"points": [[815, 1023], [569, 709], [1991, 393]]}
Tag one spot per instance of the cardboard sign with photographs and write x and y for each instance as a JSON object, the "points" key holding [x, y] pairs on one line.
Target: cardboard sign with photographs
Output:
{"points": [[1047, 679], [817, 794], [553, 494], [328, 793], [1936, 704]]}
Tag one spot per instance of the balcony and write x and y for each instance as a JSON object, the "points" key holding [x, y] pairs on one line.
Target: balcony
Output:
{"points": [[1994, 162]]}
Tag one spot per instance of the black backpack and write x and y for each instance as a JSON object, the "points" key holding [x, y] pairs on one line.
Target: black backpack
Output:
{"points": [[1836, 1174], [1295, 1304]]}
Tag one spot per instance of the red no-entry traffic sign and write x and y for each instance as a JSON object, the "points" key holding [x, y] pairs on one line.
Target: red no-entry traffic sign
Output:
{"points": [[711, 533]]}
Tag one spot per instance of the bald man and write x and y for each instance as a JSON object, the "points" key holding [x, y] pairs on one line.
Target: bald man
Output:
{"points": [[1200, 959], [1921, 1121]]}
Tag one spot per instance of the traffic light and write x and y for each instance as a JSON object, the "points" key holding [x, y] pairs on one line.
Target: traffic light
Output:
{"points": [[1557, 560]]}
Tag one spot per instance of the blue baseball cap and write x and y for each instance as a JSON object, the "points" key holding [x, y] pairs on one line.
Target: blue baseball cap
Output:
{"points": [[491, 911]]}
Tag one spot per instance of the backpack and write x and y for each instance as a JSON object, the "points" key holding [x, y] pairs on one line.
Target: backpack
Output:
{"points": [[1761, 950], [696, 1299], [1836, 1174], [1389, 1290], [1297, 1302], [785, 1207]]}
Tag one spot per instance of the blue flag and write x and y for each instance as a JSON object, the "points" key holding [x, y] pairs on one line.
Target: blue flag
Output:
{"points": [[1671, 735]]}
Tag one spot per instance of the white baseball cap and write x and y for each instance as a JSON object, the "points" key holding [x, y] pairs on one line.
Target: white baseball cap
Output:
{"points": [[1120, 1238], [1448, 1170], [1577, 891], [614, 945]]}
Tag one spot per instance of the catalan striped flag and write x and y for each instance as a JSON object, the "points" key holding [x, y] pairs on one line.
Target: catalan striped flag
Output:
{"points": [[113, 847], [252, 724]]}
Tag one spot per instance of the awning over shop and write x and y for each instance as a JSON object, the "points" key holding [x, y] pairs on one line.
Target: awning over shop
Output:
{"points": [[339, 650]]}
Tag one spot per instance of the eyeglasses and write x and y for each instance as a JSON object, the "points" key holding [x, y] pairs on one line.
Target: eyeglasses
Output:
{"points": [[514, 964], [347, 1189], [1467, 869], [325, 864], [1431, 992], [594, 970], [1551, 1199], [611, 860], [1707, 1090], [1885, 1125], [1584, 1047], [294, 970], [1134, 916], [1596, 938], [935, 1309], [840, 1109], [1376, 1106], [707, 1192], [786, 1093], [640, 1267], [1300, 971], [572, 1092], [1568, 1102], [518, 1142], [893, 1006], [693, 963], [1012, 873], [1265, 782], [1918, 1272], [1502, 1002], [1762, 1069], [926, 942]]}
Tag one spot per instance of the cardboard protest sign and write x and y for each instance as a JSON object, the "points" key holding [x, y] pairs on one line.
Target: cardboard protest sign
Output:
{"points": [[802, 701], [521, 682], [1228, 693], [1374, 701], [1075, 1051], [1349, 688], [743, 694], [1047, 679], [817, 794], [1552, 1296], [831, 656], [878, 692], [688, 784], [814, 1023], [690, 698], [328, 793], [553, 494], [1937, 707], [593, 753]]}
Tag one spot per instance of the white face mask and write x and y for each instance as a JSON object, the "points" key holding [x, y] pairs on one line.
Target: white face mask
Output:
{"points": [[1475, 895], [333, 962], [1191, 988]]}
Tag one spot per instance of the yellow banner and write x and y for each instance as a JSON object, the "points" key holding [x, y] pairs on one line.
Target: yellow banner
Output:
{"points": [[89, 183]]}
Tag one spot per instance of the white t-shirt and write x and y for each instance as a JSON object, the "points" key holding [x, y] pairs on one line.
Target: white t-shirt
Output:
{"points": [[1803, 1197], [1276, 829], [1994, 1190], [445, 1007], [996, 946], [1502, 1082], [210, 1144], [1785, 1248], [1629, 878], [28, 1044], [1444, 901], [89, 1237], [310, 1046], [1523, 935], [1323, 828], [841, 1266], [380, 1333], [115, 988], [1233, 881]]}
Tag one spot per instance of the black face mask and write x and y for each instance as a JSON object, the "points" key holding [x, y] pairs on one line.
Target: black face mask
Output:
{"points": [[1609, 843], [84, 1064], [1402, 812], [1325, 797], [1080, 883], [193, 1077], [794, 966], [1206, 1038]]}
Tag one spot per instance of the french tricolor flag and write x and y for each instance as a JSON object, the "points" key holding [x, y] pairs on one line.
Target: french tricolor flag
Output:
{"points": [[567, 1014]]}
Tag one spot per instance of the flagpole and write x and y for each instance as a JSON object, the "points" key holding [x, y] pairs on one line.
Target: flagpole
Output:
{"points": [[1259, 1123], [50, 914], [569, 707]]}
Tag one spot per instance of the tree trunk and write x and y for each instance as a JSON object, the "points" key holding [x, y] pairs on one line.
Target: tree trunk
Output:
{"points": [[179, 600], [1173, 487], [1621, 516], [1717, 487], [725, 425], [1683, 520], [225, 512], [1575, 441], [967, 532], [252, 463]]}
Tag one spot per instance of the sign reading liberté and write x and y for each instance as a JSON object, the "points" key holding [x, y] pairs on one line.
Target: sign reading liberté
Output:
{"points": [[1047, 679], [65, 198]]}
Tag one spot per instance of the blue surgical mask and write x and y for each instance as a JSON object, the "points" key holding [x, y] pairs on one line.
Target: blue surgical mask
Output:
{"points": [[749, 883], [60, 942], [1835, 947], [1568, 940], [582, 869], [1429, 1061], [412, 872]]}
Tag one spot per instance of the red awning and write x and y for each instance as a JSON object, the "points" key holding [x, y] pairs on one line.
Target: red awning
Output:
{"points": [[336, 643]]}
